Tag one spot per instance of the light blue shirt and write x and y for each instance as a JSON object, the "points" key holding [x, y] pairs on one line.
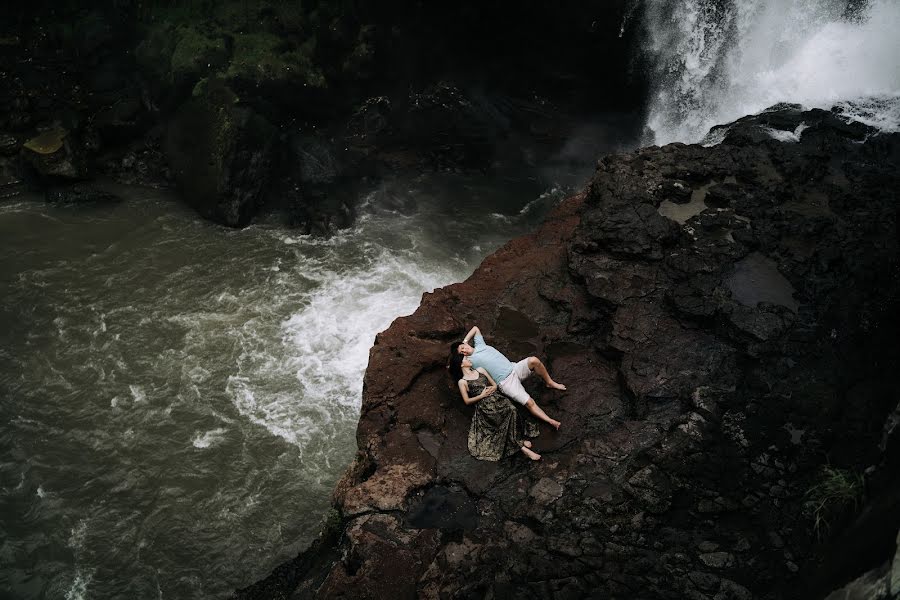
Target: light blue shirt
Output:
{"points": [[490, 359]]}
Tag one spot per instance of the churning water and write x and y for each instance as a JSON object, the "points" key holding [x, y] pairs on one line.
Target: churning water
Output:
{"points": [[717, 60], [178, 399]]}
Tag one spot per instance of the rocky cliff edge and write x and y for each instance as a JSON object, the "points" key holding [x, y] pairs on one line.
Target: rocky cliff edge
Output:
{"points": [[725, 319]]}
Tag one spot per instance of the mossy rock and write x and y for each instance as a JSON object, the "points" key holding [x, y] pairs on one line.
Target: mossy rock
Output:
{"points": [[360, 59], [154, 53], [264, 58], [290, 16], [220, 153], [196, 54], [334, 523], [47, 142], [214, 92]]}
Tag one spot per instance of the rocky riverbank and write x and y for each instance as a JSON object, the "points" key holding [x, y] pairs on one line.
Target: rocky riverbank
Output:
{"points": [[269, 103], [725, 318]]}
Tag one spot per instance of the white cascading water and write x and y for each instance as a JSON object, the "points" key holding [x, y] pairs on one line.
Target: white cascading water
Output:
{"points": [[715, 61]]}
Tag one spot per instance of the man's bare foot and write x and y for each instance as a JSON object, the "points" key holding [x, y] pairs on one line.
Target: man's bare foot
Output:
{"points": [[527, 444], [555, 424], [556, 386], [530, 454]]}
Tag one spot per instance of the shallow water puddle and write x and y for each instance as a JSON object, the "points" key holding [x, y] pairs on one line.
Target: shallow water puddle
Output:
{"points": [[680, 213], [756, 279]]}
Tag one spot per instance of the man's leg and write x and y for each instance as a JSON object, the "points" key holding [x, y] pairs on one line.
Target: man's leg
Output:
{"points": [[535, 364], [536, 410], [512, 389]]}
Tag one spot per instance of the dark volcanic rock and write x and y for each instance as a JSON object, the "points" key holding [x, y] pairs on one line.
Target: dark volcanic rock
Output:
{"points": [[220, 154], [78, 194], [717, 354], [9, 145], [54, 154]]}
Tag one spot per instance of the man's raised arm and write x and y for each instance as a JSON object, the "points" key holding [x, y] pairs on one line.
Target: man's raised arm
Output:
{"points": [[472, 333]]}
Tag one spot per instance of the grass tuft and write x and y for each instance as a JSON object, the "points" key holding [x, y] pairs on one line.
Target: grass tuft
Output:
{"points": [[837, 494]]}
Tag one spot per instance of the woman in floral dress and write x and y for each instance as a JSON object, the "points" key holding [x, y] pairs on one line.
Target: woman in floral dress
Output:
{"points": [[498, 429]]}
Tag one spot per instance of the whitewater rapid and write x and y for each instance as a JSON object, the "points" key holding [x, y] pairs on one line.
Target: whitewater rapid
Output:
{"points": [[180, 398], [714, 61]]}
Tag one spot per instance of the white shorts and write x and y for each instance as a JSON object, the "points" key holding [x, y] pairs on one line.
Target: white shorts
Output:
{"points": [[512, 385]]}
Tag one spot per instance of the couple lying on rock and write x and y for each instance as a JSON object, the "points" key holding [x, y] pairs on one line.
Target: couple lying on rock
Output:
{"points": [[498, 429]]}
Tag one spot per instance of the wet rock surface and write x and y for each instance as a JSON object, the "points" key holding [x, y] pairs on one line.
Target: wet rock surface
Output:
{"points": [[695, 422], [222, 154], [79, 193]]}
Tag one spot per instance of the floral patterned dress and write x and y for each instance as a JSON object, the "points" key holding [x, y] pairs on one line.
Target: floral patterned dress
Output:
{"points": [[498, 429]]}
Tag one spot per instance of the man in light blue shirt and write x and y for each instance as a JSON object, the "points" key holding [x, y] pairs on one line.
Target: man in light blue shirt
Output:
{"points": [[507, 374]]}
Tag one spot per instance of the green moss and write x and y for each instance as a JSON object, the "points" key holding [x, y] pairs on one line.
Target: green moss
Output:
{"points": [[263, 57], [214, 92], [333, 523], [256, 41], [197, 53], [219, 100], [199, 89], [290, 16], [154, 53], [363, 51], [235, 15]]}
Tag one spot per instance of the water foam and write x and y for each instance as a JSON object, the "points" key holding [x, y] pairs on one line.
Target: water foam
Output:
{"points": [[137, 393], [208, 438], [326, 341], [78, 589], [787, 136], [717, 61], [258, 338]]}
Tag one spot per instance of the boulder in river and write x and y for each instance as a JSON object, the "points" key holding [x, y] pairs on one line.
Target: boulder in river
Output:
{"points": [[54, 154], [220, 153], [79, 193]]}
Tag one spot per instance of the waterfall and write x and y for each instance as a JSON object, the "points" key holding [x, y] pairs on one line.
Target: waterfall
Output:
{"points": [[713, 61]]}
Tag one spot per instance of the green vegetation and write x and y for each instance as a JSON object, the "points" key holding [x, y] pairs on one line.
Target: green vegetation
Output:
{"points": [[837, 494], [262, 41], [196, 53], [333, 523], [265, 57]]}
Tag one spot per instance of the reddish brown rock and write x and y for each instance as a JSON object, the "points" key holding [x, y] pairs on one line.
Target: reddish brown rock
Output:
{"points": [[676, 473]]}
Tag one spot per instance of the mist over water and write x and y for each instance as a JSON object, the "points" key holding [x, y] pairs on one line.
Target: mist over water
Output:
{"points": [[715, 61], [178, 398]]}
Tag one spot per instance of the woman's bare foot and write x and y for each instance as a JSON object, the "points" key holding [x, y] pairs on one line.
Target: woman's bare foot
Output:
{"points": [[556, 386], [530, 454], [527, 444]]}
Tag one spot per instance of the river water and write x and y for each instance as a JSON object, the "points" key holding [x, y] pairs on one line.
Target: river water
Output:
{"points": [[178, 399]]}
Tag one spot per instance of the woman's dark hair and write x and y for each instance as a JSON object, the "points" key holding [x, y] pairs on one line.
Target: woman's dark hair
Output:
{"points": [[454, 366]]}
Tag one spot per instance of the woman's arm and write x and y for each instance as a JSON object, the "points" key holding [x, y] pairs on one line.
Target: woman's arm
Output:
{"points": [[464, 391], [472, 333], [491, 388]]}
